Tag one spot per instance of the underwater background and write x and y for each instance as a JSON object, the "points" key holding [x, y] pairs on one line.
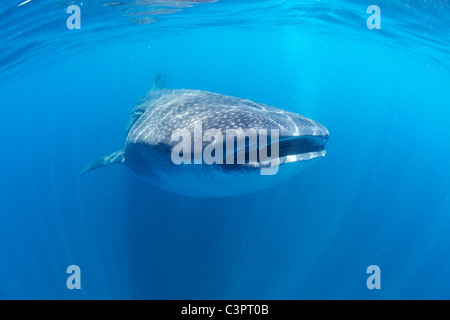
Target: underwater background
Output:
{"points": [[379, 197]]}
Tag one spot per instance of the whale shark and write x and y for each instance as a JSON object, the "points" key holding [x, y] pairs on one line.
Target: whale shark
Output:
{"points": [[150, 143]]}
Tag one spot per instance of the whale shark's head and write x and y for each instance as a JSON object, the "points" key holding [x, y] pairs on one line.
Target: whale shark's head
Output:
{"points": [[203, 144]]}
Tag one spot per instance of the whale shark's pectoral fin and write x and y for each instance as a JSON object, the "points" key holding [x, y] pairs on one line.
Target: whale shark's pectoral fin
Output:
{"points": [[116, 157]]}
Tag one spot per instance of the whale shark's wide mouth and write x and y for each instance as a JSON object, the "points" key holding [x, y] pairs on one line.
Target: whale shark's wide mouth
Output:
{"points": [[293, 149], [290, 149], [301, 145]]}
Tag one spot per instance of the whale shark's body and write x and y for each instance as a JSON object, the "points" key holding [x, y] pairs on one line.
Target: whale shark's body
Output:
{"points": [[149, 143]]}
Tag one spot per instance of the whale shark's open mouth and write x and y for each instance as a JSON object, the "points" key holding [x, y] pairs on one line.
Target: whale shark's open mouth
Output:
{"points": [[301, 145], [302, 148], [293, 149]]}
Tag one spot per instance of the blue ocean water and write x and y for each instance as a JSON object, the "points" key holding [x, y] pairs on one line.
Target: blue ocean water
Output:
{"points": [[379, 197]]}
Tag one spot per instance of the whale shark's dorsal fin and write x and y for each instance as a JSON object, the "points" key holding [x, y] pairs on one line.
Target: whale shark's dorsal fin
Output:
{"points": [[160, 81], [116, 157]]}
